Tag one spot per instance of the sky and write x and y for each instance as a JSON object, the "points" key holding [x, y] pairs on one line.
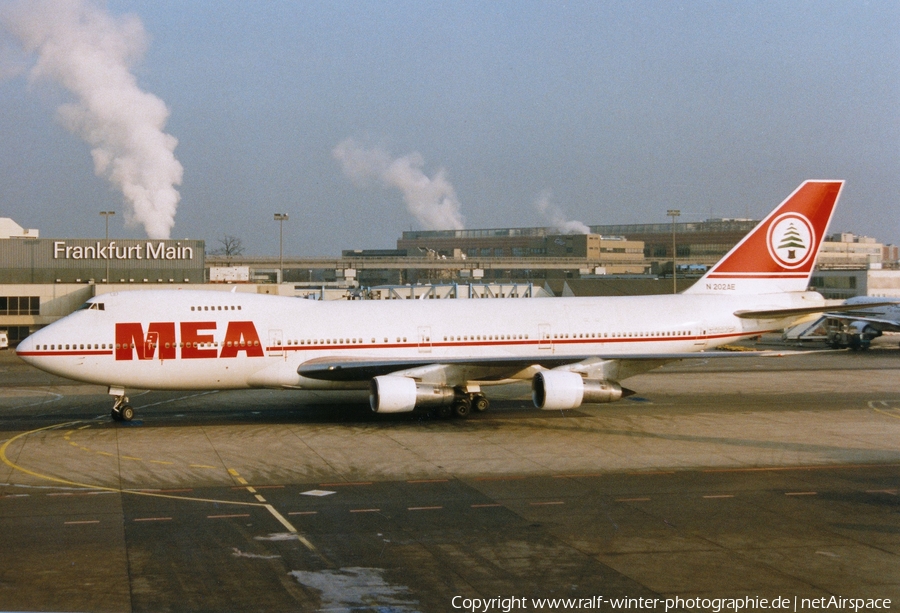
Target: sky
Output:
{"points": [[360, 120]]}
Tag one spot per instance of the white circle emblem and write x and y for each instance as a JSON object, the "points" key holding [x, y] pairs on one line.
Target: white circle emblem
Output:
{"points": [[790, 240]]}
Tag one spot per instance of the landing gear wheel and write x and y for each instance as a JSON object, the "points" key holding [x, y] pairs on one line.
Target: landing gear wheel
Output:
{"points": [[121, 411], [444, 412], [462, 407], [480, 403]]}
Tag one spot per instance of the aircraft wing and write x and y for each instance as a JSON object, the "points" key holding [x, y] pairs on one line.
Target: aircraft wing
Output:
{"points": [[349, 369]]}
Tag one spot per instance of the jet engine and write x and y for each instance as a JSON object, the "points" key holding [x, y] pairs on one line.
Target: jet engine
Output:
{"points": [[396, 394], [855, 335], [866, 332], [558, 389]]}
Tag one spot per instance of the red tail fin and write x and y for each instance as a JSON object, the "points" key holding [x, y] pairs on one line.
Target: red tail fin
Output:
{"points": [[780, 253]]}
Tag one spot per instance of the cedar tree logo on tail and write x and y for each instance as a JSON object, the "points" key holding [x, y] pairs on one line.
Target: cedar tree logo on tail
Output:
{"points": [[790, 239]]}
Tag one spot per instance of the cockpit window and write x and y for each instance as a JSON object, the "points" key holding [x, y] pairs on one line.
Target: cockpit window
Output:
{"points": [[93, 306]]}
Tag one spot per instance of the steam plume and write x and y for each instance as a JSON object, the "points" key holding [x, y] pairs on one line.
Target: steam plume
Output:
{"points": [[90, 53], [431, 200], [557, 217]]}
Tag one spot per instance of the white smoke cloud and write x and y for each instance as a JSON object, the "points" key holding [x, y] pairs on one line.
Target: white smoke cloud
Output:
{"points": [[557, 218], [89, 52], [431, 200]]}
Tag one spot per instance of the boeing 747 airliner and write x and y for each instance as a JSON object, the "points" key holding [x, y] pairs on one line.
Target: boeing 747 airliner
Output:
{"points": [[440, 353]]}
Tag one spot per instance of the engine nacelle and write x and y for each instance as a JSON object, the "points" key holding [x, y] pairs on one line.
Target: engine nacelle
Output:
{"points": [[559, 389], [395, 394], [864, 330]]}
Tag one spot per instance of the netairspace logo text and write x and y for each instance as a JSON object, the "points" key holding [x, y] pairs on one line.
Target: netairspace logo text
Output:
{"points": [[715, 605]]}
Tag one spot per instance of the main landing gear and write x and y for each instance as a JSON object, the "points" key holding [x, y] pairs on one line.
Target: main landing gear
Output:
{"points": [[121, 411], [463, 404]]}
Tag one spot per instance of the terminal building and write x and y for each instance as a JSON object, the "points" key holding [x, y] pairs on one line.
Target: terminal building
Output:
{"points": [[612, 254], [700, 243], [27, 258], [43, 279]]}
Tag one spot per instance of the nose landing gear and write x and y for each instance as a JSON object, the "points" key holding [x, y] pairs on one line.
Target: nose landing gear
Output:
{"points": [[121, 411]]}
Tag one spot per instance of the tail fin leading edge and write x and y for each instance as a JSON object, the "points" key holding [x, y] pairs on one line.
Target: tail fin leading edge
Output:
{"points": [[779, 254]]}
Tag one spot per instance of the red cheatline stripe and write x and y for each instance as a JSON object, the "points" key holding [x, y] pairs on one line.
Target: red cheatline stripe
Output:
{"points": [[453, 344], [554, 341], [757, 275]]}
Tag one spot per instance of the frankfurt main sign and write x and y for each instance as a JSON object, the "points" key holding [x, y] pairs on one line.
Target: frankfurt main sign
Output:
{"points": [[161, 250]]}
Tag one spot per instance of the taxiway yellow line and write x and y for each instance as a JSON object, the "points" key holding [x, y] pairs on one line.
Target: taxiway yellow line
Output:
{"points": [[281, 518], [261, 501], [894, 415], [5, 459]]}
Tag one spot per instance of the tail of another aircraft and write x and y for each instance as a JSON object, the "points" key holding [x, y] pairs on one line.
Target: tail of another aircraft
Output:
{"points": [[780, 253]]}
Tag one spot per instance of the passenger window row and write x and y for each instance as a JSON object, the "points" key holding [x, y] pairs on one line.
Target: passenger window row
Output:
{"points": [[195, 345], [73, 346], [487, 337], [217, 308], [337, 341], [624, 335]]}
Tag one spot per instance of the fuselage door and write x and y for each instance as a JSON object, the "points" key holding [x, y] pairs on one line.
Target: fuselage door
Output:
{"points": [[151, 342], [700, 339], [275, 346], [545, 341], [424, 339]]}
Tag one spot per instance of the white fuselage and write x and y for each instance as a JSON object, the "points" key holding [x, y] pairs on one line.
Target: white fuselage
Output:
{"points": [[182, 340]]}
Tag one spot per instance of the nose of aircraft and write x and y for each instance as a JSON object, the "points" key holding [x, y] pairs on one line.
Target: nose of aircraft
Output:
{"points": [[27, 347]]}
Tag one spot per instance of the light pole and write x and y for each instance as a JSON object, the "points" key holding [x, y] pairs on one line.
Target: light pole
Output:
{"points": [[281, 218], [106, 214], [673, 213]]}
